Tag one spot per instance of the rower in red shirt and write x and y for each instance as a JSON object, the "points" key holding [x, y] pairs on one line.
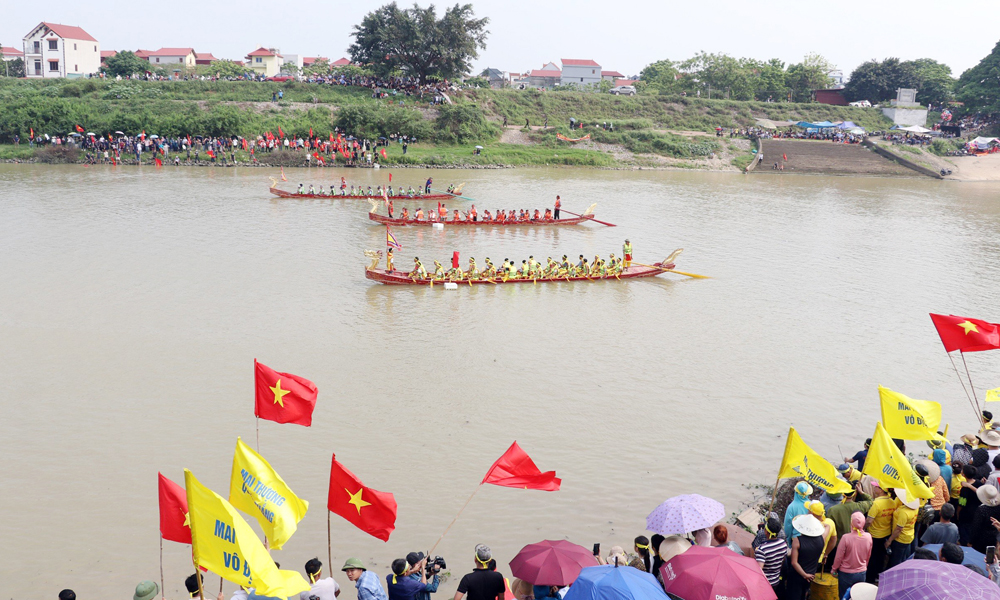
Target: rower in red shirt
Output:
{"points": [[536, 217], [442, 212], [390, 209], [472, 213], [557, 207]]}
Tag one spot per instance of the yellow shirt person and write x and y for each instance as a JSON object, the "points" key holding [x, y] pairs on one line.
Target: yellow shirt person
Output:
{"points": [[880, 514]]}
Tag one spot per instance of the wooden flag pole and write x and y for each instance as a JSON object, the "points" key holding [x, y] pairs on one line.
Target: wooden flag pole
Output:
{"points": [[161, 566], [774, 492], [221, 580], [197, 572], [329, 550], [431, 551]]}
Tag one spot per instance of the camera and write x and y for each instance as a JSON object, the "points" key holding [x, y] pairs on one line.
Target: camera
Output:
{"points": [[435, 565]]}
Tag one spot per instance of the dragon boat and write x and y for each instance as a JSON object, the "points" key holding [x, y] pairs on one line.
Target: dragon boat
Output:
{"points": [[587, 215], [274, 189], [397, 277]]}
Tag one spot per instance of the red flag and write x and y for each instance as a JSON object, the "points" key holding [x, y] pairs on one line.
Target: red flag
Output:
{"points": [[189, 140], [331, 138], [32, 132], [369, 510], [516, 469], [159, 163], [283, 397], [280, 132], [319, 158], [174, 523], [383, 153], [784, 157], [210, 153], [79, 129], [143, 136], [967, 335], [390, 177], [310, 132]]}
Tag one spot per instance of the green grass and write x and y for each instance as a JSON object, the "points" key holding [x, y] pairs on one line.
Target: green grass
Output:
{"points": [[11, 152], [496, 154]]}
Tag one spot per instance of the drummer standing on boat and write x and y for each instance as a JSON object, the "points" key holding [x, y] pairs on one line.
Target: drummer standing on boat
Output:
{"points": [[427, 187], [627, 251], [555, 213]]}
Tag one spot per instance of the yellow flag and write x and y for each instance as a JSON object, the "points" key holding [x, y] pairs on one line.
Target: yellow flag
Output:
{"points": [[801, 461], [889, 466], [908, 419], [258, 491], [993, 395], [224, 543]]}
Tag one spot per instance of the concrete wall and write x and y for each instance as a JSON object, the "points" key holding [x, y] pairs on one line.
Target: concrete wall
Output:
{"points": [[906, 116], [581, 76], [900, 160]]}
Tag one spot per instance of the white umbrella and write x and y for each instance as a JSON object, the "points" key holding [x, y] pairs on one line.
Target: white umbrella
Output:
{"points": [[479, 147], [120, 132], [154, 137], [90, 133]]}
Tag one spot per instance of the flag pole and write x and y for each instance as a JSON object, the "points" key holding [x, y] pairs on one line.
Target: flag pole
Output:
{"points": [[329, 550], [774, 492], [964, 389], [971, 386], [220, 584], [258, 429], [201, 592], [453, 520], [161, 566]]}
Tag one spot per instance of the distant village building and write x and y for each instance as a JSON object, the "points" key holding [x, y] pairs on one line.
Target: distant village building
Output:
{"points": [[581, 73], [53, 50], [546, 77], [291, 59], [106, 54], [341, 62], [308, 61], [265, 61], [611, 76], [831, 96], [204, 58], [143, 54], [8, 53], [495, 77], [173, 59]]}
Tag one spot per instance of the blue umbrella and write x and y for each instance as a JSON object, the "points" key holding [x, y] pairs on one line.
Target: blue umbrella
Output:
{"points": [[615, 583], [972, 556]]}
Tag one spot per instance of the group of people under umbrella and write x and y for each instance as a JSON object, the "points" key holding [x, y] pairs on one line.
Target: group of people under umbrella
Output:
{"points": [[681, 564]]}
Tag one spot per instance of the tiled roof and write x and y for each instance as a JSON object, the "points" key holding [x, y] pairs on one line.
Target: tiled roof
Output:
{"points": [[205, 56], [573, 62], [10, 51], [611, 74], [143, 53], [263, 52], [341, 62], [308, 60], [172, 52], [69, 32]]}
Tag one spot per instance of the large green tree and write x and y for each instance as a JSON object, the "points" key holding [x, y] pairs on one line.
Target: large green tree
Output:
{"points": [[661, 76], [934, 82], [813, 73], [979, 87], [13, 68], [125, 63], [878, 81], [414, 42]]}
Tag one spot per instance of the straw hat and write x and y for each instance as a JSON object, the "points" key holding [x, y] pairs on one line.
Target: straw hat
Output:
{"points": [[673, 545], [863, 591], [933, 470], [990, 437], [807, 525], [912, 503], [617, 553], [988, 495], [970, 439]]}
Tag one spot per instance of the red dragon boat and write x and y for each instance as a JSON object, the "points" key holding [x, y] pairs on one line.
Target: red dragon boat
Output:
{"points": [[384, 220], [403, 278], [285, 194]]}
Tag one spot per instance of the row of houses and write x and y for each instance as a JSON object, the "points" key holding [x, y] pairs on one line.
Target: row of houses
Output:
{"points": [[52, 50], [581, 73]]}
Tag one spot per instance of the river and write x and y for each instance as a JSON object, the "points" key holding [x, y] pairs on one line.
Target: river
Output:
{"points": [[134, 302]]}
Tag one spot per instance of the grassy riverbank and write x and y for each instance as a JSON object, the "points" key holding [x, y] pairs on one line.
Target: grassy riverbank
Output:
{"points": [[649, 130]]}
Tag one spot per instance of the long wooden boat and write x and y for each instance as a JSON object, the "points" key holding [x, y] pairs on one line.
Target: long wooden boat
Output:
{"points": [[403, 278], [384, 220], [285, 194]]}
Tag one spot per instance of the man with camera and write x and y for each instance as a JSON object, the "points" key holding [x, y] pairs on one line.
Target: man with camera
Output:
{"points": [[426, 572]]}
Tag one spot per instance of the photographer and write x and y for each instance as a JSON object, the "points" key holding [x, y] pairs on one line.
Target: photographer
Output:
{"points": [[420, 570], [400, 584]]}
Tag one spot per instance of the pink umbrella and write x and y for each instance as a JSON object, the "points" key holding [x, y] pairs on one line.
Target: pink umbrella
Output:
{"points": [[709, 573], [551, 562]]}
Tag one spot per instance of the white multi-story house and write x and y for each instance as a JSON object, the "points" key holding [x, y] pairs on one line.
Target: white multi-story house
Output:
{"points": [[175, 59], [53, 50], [581, 73]]}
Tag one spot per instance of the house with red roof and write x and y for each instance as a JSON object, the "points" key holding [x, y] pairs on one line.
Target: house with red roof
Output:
{"points": [[10, 53], [341, 62], [143, 54], [173, 59], [106, 54], [204, 58], [611, 76], [54, 50], [582, 73], [265, 61], [546, 77]]}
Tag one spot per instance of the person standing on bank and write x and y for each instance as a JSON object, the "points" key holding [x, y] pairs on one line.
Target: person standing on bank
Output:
{"points": [[324, 588], [482, 583], [367, 583], [806, 550]]}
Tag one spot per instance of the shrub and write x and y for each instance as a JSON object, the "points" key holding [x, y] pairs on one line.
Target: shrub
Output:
{"points": [[58, 154], [464, 123]]}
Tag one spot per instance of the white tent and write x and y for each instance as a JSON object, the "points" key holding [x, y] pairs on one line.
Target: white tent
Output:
{"points": [[914, 129], [983, 143]]}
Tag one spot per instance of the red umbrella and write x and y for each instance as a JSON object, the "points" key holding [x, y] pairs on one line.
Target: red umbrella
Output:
{"points": [[709, 573], [551, 562]]}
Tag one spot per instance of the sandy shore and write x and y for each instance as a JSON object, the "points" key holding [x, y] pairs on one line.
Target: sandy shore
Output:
{"points": [[985, 167]]}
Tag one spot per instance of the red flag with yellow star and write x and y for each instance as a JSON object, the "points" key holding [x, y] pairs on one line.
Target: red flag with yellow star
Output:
{"points": [[174, 522], [283, 397], [967, 335], [369, 510]]}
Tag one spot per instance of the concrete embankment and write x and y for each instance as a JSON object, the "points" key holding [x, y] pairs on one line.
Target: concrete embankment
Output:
{"points": [[827, 158]]}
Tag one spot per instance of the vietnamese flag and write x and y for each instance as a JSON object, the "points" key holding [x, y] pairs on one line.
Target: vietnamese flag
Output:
{"points": [[310, 133], [32, 130], [516, 469], [79, 129], [174, 522], [383, 153], [967, 335], [283, 397], [280, 132], [369, 510]]}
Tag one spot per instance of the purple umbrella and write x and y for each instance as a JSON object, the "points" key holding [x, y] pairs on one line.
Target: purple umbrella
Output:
{"points": [[932, 580], [684, 514]]}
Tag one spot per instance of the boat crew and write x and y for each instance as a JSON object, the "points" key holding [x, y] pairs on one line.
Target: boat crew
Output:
{"points": [[409, 192], [390, 209], [490, 271], [438, 270], [442, 212], [433, 215], [558, 205], [388, 261], [352, 193], [537, 215], [390, 191], [419, 214], [473, 271], [472, 213], [487, 217], [455, 218], [427, 188], [370, 192], [300, 190], [312, 190], [548, 214], [627, 251], [406, 214], [564, 265], [419, 272], [532, 263], [321, 191]]}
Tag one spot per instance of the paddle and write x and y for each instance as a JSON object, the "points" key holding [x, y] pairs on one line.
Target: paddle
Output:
{"points": [[591, 217], [694, 275], [452, 194]]}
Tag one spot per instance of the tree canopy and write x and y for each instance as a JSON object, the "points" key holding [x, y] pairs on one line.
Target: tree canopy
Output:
{"points": [[125, 63], [979, 87], [13, 68], [878, 81], [414, 42]]}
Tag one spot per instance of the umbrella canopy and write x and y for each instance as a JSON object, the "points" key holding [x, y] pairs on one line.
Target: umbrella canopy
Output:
{"points": [[709, 573], [615, 583], [684, 514], [120, 132], [766, 124], [551, 562], [972, 556], [931, 580], [154, 137]]}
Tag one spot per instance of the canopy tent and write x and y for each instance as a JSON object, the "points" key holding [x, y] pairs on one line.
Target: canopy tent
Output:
{"points": [[846, 125], [766, 124], [819, 125], [857, 131], [912, 129], [983, 143]]}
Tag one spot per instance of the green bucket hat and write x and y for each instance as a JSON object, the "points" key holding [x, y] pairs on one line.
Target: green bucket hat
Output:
{"points": [[147, 590], [352, 563]]}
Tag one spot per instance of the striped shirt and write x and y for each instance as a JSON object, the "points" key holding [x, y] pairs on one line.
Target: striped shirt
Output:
{"points": [[771, 555]]}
